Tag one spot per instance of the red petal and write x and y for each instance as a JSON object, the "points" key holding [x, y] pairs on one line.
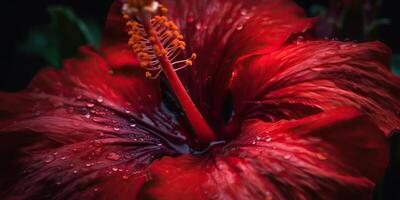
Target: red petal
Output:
{"points": [[79, 115], [300, 80], [338, 154], [220, 31]]}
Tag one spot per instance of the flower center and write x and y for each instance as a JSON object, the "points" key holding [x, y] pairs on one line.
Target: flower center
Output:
{"points": [[157, 42]]}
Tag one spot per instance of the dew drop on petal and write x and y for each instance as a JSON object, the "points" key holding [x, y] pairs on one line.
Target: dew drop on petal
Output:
{"points": [[287, 157], [132, 125], [100, 99], [113, 156], [300, 39], [243, 12], [125, 177], [198, 26], [95, 189], [239, 27], [75, 171], [63, 158], [89, 164], [116, 129], [87, 116], [268, 139], [49, 159], [58, 183], [90, 105], [114, 169]]}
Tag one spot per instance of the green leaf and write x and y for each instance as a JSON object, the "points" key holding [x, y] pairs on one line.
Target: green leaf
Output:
{"points": [[396, 64], [62, 37]]}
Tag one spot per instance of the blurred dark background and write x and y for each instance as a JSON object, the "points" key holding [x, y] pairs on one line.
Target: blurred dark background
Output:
{"points": [[41, 33]]}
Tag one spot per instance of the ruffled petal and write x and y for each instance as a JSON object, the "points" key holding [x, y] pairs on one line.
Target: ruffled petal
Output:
{"points": [[220, 32], [70, 129], [306, 78], [339, 154]]}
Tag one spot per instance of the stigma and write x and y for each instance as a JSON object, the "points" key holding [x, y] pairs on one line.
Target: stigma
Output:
{"points": [[133, 7]]}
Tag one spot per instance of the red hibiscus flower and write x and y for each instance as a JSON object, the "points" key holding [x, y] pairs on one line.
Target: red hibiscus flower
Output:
{"points": [[283, 115]]}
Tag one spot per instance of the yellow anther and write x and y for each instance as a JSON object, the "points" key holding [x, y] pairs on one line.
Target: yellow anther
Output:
{"points": [[152, 39], [189, 62], [148, 75], [168, 33], [142, 55], [163, 19], [167, 24], [173, 26], [163, 9], [164, 52], [182, 43], [194, 56], [143, 64]]}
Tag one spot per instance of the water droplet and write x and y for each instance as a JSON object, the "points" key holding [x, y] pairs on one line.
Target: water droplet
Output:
{"points": [[113, 156], [125, 177], [75, 171], [90, 105], [58, 183], [87, 116], [239, 27], [132, 125], [243, 12], [74, 149], [127, 111], [49, 159], [63, 158], [95, 189], [300, 39], [159, 144], [79, 97], [258, 138], [114, 169], [198, 26], [89, 164], [116, 129], [268, 139], [287, 157], [100, 99]]}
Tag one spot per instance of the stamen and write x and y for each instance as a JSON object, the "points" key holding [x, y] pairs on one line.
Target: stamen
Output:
{"points": [[145, 48], [157, 42]]}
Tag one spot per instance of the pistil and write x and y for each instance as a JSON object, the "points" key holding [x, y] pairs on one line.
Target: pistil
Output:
{"points": [[157, 43]]}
